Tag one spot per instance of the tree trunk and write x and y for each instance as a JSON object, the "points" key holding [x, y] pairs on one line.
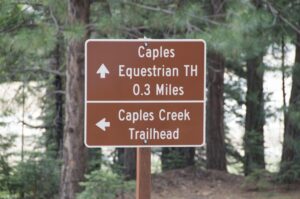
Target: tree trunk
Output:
{"points": [[74, 153], [283, 73], [255, 117], [54, 136], [215, 139], [119, 158], [255, 113], [130, 163], [290, 151], [125, 162], [59, 100], [176, 158]]}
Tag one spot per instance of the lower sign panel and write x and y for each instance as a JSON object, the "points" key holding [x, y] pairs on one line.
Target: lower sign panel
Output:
{"points": [[146, 124]]}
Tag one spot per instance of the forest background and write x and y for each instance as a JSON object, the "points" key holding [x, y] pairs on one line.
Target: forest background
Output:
{"points": [[253, 94]]}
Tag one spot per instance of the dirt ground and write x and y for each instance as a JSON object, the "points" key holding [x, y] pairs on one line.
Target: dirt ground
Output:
{"points": [[193, 183]]}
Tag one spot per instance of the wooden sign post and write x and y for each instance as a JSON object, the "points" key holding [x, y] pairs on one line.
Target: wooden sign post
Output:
{"points": [[144, 93], [143, 173]]}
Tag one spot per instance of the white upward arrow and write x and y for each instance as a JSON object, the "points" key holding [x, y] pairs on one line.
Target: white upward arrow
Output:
{"points": [[102, 71], [102, 124]]}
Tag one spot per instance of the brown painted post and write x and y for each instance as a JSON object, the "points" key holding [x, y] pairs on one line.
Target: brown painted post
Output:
{"points": [[143, 173]]}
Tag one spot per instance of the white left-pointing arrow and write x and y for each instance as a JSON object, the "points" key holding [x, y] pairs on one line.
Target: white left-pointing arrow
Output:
{"points": [[102, 71], [103, 124]]}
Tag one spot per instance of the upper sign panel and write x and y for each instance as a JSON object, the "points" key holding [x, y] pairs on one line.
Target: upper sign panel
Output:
{"points": [[145, 70]]}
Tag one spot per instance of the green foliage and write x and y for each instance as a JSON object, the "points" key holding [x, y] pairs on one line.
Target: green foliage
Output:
{"points": [[290, 170], [176, 158], [173, 160], [12, 16], [95, 159], [153, 19], [28, 31], [245, 32], [37, 177], [103, 184], [74, 31], [41, 40], [6, 143], [259, 180]]}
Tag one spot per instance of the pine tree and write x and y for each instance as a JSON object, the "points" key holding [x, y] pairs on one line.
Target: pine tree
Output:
{"points": [[255, 113], [290, 153], [215, 137], [75, 153]]}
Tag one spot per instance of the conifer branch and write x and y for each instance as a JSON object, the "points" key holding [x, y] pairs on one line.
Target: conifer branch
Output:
{"points": [[276, 12], [36, 126], [170, 12], [55, 72]]}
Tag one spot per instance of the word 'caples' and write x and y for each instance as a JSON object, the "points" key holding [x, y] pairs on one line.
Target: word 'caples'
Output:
{"points": [[154, 53]]}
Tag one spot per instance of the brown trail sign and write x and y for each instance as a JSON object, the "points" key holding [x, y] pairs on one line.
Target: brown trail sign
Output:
{"points": [[144, 93]]}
